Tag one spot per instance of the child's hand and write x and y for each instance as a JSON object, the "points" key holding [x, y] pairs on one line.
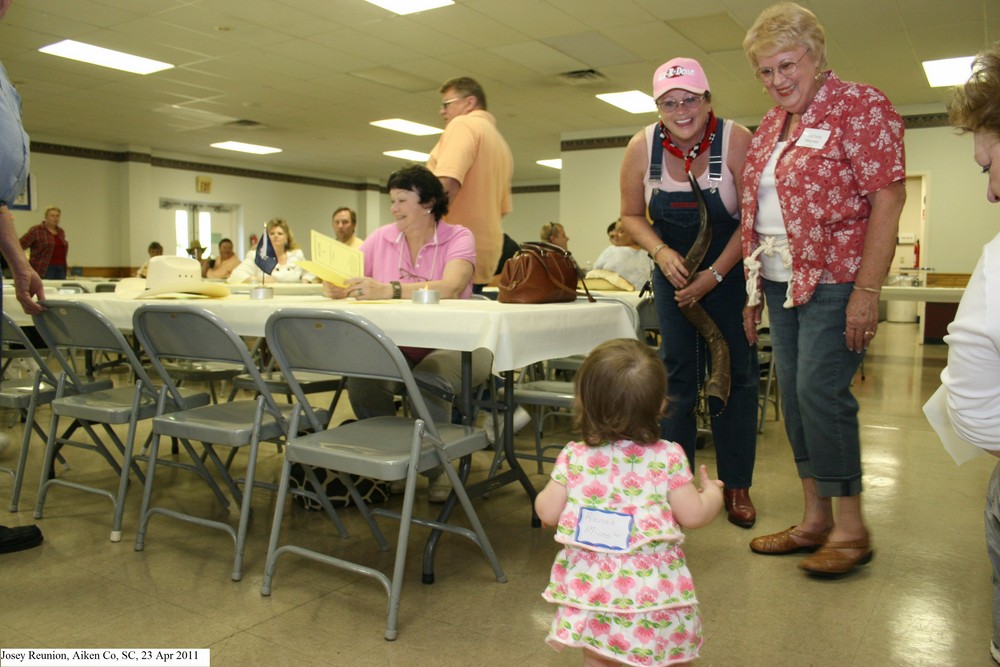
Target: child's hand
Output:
{"points": [[706, 480]]}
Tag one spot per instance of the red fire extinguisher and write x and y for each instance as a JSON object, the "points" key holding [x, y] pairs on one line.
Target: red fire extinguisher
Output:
{"points": [[916, 254]]}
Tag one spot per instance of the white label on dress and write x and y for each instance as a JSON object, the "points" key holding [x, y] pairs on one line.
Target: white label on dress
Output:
{"points": [[601, 528], [813, 138]]}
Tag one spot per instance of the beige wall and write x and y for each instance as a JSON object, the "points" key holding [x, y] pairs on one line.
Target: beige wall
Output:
{"points": [[110, 209]]}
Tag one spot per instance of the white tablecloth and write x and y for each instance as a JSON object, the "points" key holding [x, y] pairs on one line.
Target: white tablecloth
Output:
{"points": [[517, 335]]}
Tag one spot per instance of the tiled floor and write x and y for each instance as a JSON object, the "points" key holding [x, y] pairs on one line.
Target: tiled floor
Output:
{"points": [[924, 600]]}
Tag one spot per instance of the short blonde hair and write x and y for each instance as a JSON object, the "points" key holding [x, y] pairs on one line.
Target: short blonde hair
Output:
{"points": [[52, 208], [281, 222], [975, 106], [550, 229], [784, 27]]}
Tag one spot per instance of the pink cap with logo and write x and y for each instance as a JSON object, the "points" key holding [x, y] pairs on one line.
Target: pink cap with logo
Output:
{"points": [[683, 73]]}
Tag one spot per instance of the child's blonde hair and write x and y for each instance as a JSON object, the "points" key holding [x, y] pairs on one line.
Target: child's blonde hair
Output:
{"points": [[620, 393]]}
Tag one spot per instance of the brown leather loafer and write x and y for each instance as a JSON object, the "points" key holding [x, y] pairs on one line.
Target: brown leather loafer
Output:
{"points": [[831, 561], [779, 544], [739, 507]]}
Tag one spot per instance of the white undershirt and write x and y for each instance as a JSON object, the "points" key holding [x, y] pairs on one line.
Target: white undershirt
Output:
{"points": [[770, 221]]}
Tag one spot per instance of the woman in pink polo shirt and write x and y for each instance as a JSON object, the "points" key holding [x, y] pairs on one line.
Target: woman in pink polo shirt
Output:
{"points": [[418, 250]]}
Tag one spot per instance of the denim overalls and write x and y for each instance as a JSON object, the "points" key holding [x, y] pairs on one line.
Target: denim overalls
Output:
{"points": [[675, 219]]}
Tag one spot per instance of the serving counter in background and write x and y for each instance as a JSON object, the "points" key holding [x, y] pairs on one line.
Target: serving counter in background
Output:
{"points": [[940, 305]]}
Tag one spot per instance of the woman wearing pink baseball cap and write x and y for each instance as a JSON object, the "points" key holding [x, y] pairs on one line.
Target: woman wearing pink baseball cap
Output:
{"points": [[689, 138]]}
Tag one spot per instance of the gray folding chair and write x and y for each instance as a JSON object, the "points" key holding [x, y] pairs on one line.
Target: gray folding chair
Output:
{"points": [[388, 448], [546, 398], [78, 325], [768, 377], [182, 331], [26, 395], [310, 383]]}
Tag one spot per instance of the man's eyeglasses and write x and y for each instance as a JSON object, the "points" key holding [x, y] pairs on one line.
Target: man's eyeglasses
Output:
{"points": [[690, 103], [445, 103], [787, 68]]}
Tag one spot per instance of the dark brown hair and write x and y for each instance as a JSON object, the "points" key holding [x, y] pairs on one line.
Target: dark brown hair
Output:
{"points": [[975, 106], [465, 87], [620, 392]]}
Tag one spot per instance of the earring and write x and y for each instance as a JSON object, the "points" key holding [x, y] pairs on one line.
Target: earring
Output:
{"points": [[819, 76], [427, 210], [763, 90]]}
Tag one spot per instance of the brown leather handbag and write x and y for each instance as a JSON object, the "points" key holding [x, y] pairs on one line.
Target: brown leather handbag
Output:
{"points": [[540, 273]]}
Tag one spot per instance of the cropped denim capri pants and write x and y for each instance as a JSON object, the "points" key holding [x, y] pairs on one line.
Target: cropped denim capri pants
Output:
{"points": [[815, 369]]}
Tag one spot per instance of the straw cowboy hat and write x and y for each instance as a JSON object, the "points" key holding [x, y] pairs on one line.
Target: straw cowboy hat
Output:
{"points": [[170, 277]]}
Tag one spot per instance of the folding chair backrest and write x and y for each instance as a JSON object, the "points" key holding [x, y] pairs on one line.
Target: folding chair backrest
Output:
{"points": [[182, 331], [14, 335], [339, 343], [74, 324]]}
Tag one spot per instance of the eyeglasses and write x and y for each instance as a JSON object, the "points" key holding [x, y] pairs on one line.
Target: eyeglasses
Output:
{"points": [[408, 277], [787, 68], [445, 103], [690, 103]]}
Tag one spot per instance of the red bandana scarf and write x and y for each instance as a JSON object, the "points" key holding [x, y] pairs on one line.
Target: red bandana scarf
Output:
{"points": [[697, 149]]}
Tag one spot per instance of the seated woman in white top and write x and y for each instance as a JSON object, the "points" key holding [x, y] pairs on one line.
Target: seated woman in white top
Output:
{"points": [[287, 252], [624, 265]]}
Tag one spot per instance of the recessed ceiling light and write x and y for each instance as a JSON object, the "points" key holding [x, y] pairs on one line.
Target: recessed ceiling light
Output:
{"points": [[245, 148], [409, 6], [406, 126], [948, 72], [96, 55], [555, 164], [632, 101], [413, 156]]}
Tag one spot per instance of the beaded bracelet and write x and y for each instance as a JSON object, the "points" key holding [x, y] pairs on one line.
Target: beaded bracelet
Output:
{"points": [[718, 276]]}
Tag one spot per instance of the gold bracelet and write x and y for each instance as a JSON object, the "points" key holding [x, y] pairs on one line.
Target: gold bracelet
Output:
{"points": [[873, 290], [656, 250]]}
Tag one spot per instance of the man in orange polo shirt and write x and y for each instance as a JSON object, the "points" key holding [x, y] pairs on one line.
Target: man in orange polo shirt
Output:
{"points": [[475, 165]]}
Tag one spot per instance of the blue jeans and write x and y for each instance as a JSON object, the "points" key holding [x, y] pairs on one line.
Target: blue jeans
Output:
{"points": [[734, 428], [993, 545], [55, 273], [815, 368]]}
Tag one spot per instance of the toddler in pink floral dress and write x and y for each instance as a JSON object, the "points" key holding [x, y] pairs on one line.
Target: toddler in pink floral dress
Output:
{"points": [[618, 501]]}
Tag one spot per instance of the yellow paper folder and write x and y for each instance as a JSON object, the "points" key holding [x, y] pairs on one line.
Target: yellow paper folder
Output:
{"points": [[333, 261]]}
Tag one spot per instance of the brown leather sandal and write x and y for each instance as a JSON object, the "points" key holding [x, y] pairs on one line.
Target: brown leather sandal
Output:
{"points": [[779, 544], [831, 561]]}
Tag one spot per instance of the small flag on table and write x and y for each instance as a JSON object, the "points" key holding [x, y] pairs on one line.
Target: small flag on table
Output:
{"points": [[265, 259]]}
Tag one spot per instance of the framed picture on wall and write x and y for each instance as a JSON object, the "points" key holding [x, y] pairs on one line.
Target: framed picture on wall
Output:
{"points": [[23, 200]]}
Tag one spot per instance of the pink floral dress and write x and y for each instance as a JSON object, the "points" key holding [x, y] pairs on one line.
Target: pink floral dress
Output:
{"points": [[621, 582]]}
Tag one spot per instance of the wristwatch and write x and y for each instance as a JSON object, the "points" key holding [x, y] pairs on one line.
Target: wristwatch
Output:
{"points": [[716, 274], [397, 289]]}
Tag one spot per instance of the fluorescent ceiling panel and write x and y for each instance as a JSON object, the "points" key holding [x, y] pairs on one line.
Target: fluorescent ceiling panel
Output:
{"points": [[406, 126], [632, 101], [948, 72], [555, 164], [96, 55], [246, 148], [409, 6], [413, 156]]}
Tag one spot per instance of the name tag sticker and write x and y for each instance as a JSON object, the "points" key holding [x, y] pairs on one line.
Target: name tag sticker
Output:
{"points": [[604, 529], [813, 138]]}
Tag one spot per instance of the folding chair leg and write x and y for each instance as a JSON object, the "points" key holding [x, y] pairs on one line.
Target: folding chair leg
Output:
{"points": [[22, 461], [147, 494], [279, 513]]}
